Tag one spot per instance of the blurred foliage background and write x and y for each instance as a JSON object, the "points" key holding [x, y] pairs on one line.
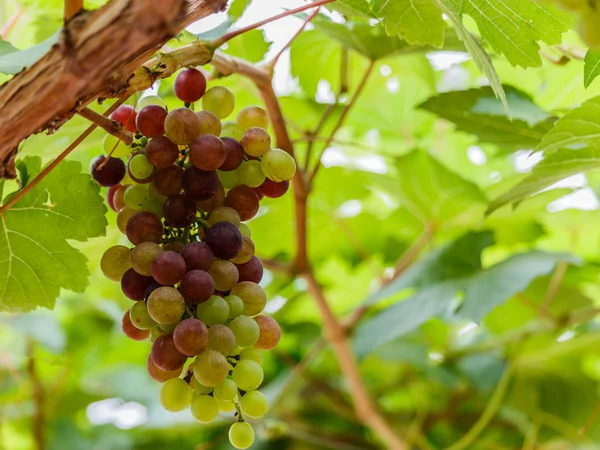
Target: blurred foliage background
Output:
{"points": [[497, 315]]}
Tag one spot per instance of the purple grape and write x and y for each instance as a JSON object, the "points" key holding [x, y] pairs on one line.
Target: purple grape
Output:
{"points": [[179, 211], [251, 271], [234, 154], [167, 181], [224, 239], [200, 184], [144, 226], [150, 289], [161, 152], [168, 268], [111, 173], [165, 355], [244, 201], [198, 256], [134, 285], [196, 287]]}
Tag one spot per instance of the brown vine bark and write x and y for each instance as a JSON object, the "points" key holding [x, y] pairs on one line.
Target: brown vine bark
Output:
{"points": [[96, 49]]}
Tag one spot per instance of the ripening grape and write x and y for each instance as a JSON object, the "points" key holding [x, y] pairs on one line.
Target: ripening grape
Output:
{"points": [[254, 404], [150, 289], [245, 330], [199, 388], [140, 318], [166, 305], [225, 406], [232, 130], [204, 408], [207, 152], [253, 296], [256, 142], [167, 181], [209, 123], [165, 355], [161, 152], [272, 189], [278, 165], [251, 174], [123, 217], [219, 100], [245, 230], [224, 214], [154, 203], [258, 192], [248, 375], [196, 287], [114, 147], [197, 256], [158, 374], [214, 202], [210, 368], [115, 262], [189, 85], [139, 167], [179, 211], [119, 197], [224, 239], [251, 271], [224, 274], [241, 435], [131, 331], [136, 196], [270, 332], [182, 126], [234, 154], [252, 353], [230, 179], [134, 285], [246, 253], [227, 390], [175, 395], [200, 184], [150, 100], [236, 306], [168, 268], [252, 116], [221, 339], [191, 337], [213, 311], [126, 116], [143, 226], [244, 201], [110, 196], [175, 246], [109, 173], [150, 121]]}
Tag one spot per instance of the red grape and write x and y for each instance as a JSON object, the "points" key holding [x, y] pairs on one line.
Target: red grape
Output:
{"points": [[160, 375], [190, 85], [191, 337], [197, 256], [165, 355], [144, 226], [196, 287], [207, 152], [167, 181], [270, 332], [126, 116], [234, 154], [243, 200], [200, 184], [251, 271], [134, 285], [110, 196], [130, 330], [161, 152], [168, 268], [224, 239], [272, 189], [179, 211], [151, 121], [111, 173]]}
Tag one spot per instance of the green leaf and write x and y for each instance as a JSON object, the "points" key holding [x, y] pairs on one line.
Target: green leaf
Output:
{"points": [[416, 21], [591, 68], [513, 27], [554, 167], [352, 8], [479, 112], [14, 62], [36, 259], [251, 46], [237, 9], [6, 48]]}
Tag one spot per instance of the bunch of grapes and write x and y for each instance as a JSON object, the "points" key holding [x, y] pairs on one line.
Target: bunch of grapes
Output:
{"points": [[189, 183]]}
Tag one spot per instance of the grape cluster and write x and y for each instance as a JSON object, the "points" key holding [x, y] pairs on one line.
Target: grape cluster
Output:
{"points": [[189, 183]]}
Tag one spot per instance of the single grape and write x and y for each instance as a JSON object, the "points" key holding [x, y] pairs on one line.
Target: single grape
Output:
{"points": [[221, 340], [142, 256], [270, 332], [256, 142], [155, 204], [175, 395], [219, 100], [234, 154], [272, 189], [244, 201], [224, 214], [140, 318], [207, 152], [245, 330], [232, 130], [126, 116], [214, 202], [114, 147], [200, 184], [165, 355], [254, 404], [197, 256], [224, 239], [209, 123], [136, 196], [151, 121], [204, 408], [245, 230], [138, 164], [110, 196], [119, 197], [131, 331], [241, 435], [253, 296], [161, 152], [246, 253], [134, 285], [248, 375], [236, 306], [196, 287], [278, 165], [252, 116], [227, 390], [210, 368], [123, 217], [182, 126], [251, 174], [108, 174], [189, 85], [199, 388], [224, 274], [168, 268], [160, 375], [143, 226], [258, 192], [230, 179], [213, 311], [115, 262], [252, 353], [168, 181], [251, 271], [191, 337], [147, 100], [166, 305], [179, 211], [225, 406]]}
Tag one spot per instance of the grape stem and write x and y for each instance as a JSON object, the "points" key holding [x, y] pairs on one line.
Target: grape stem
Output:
{"points": [[110, 126]]}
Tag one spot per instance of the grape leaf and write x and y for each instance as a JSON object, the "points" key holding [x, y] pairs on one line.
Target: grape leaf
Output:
{"points": [[250, 46], [479, 112], [13, 62], [237, 9], [36, 260], [591, 68], [352, 8]]}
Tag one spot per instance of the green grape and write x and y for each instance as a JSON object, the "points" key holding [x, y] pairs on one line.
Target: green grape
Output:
{"points": [[166, 305], [224, 274], [224, 214], [210, 368], [256, 142], [245, 230], [252, 295], [150, 100], [230, 179], [232, 130], [209, 123], [115, 262], [200, 389], [254, 404], [248, 375], [252, 353], [246, 253], [236, 306], [225, 406], [245, 330], [204, 408], [213, 311], [108, 144], [252, 116], [142, 256], [251, 174], [155, 332], [140, 318], [175, 395], [123, 216], [227, 390], [241, 435], [278, 165], [236, 351], [136, 196], [140, 167], [218, 100], [221, 339], [154, 205]]}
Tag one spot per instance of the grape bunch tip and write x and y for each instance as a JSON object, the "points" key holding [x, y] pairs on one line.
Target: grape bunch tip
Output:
{"points": [[189, 184]]}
